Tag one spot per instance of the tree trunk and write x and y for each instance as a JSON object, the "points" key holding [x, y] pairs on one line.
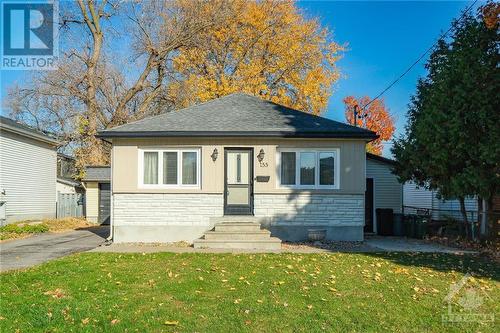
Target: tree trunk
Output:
{"points": [[491, 222], [464, 215]]}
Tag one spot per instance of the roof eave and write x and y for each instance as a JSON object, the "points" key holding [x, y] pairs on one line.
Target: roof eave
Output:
{"points": [[280, 134], [29, 134], [380, 159]]}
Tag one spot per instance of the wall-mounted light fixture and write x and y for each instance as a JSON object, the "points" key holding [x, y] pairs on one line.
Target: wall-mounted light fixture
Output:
{"points": [[214, 155], [261, 155]]}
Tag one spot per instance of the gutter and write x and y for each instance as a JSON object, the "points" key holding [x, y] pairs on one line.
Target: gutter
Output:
{"points": [[280, 134], [30, 134], [109, 240]]}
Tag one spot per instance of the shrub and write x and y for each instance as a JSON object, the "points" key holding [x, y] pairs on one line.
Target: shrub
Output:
{"points": [[27, 228]]}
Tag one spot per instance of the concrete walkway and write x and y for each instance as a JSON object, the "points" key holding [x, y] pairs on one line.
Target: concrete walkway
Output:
{"points": [[399, 244], [371, 244], [35, 250]]}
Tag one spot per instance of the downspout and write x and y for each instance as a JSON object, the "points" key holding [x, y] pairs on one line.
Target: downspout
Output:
{"points": [[111, 217]]}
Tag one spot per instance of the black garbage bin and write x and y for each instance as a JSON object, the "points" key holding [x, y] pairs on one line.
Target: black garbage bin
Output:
{"points": [[385, 222], [398, 228], [409, 225]]}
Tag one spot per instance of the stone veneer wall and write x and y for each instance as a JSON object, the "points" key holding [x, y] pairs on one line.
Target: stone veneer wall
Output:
{"points": [[177, 217], [291, 216], [164, 217]]}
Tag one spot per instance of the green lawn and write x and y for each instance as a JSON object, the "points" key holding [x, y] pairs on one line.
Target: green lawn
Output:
{"points": [[244, 293]]}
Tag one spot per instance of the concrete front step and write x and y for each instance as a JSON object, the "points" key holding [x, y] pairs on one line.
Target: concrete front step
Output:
{"points": [[237, 235], [237, 232], [233, 218], [237, 227], [271, 243]]}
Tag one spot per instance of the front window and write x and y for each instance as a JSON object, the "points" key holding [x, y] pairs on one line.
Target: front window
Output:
{"points": [[170, 168], [308, 168], [326, 168], [150, 167], [189, 168], [288, 168]]}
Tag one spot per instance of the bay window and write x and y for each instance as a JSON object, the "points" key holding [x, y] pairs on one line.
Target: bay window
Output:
{"points": [[309, 168], [165, 168]]}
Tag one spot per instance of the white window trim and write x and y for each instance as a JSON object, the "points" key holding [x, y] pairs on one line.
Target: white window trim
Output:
{"points": [[160, 184], [297, 152]]}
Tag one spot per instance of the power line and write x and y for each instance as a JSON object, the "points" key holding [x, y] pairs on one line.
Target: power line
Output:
{"points": [[419, 58]]}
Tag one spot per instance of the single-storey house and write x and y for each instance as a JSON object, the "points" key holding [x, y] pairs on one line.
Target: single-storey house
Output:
{"points": [[27, 172], [97, 194], [235, 160], [383, 190]]}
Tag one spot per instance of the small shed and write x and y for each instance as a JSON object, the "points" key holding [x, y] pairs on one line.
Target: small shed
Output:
{"points": [[97, 194], [383, 190]]}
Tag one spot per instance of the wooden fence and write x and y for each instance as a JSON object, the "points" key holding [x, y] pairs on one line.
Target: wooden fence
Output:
{"points": [[69, 204]]}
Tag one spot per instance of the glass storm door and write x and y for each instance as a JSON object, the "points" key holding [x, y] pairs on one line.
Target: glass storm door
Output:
{"points": [[238, 197]]}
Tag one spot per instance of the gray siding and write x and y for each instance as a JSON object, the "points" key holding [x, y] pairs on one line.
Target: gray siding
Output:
{"points": [[387, 191], [28, 176], [416, 197], [470, 204], [423, 198]]}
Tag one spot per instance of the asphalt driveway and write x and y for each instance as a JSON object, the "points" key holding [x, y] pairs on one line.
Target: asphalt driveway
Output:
{"points": [[35, 250]]}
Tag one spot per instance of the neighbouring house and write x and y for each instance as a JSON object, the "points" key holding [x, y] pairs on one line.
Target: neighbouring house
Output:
{"points": [[66, 183], [68, 186], [70, 192], [236, 163], [28, 161], [421, 200], [97, 194], [66, 166], [383, 190]]}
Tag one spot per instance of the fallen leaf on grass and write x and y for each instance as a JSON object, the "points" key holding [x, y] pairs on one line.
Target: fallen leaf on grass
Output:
{"points": [[171, 322], [57, 293], [85, 321]]}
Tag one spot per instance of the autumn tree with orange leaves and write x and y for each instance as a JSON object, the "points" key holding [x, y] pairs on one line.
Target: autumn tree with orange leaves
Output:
{"points": [[374, 117], [267, 49]]}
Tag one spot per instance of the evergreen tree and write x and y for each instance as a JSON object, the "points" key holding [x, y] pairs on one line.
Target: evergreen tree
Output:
{"points": [[452, 141]]}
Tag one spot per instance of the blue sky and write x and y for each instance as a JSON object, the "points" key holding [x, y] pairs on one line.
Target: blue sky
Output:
{"points": [[383, 38]]}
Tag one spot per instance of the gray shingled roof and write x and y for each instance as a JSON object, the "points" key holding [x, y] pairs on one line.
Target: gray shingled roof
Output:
{"points": [[97, 174], [238, 115]]}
